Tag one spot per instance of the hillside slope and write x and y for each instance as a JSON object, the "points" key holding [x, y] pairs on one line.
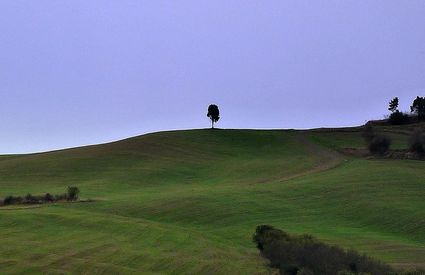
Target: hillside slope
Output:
{"points": [[189, 201]]}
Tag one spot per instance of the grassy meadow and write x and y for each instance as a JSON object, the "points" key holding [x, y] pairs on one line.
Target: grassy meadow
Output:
{"points": [[189, 201]]}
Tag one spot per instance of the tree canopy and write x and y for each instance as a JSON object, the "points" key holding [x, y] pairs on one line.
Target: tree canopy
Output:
{"points": [[418, 107], [393, 105], [213, 114]]}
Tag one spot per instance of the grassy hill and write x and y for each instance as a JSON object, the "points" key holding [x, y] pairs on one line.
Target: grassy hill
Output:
{"points": [[189, 202]]}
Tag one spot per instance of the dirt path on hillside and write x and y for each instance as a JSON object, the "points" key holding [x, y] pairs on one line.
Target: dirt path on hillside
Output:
{"points": [[328, 158]]}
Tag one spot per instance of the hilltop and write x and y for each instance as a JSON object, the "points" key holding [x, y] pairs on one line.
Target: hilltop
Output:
{"points": [[189, 201]]}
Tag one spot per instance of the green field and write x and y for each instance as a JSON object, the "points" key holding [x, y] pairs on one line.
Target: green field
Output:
{"points": [[189, 202]]}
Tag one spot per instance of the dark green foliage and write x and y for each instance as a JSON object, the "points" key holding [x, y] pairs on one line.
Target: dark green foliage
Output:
{"points": [[72, 194], [393, 105], [12, 200], [399, 118], [213, 114], [379, 145], [417, 142], [306, 255], [30, 199], [418, 107], [49, 198]]}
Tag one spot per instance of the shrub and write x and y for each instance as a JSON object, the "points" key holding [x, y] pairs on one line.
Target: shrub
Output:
{"points": [[380, 145], [72, 194], [29, 199], [306, 255], [49, 198], [12, 200], [399, 118], [417, 142], [376, 143], [8, 200]]}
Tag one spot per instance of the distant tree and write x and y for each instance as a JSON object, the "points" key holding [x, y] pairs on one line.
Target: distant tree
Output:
{"points": [[393, 105], [213, 114], [418, 107], [72, 194]]}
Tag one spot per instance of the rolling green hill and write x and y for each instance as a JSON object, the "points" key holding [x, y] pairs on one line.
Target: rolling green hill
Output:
{"points": [[189, 202]]}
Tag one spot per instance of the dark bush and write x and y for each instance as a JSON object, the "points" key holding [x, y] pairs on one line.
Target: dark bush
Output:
{"points": [[30, 199], [417, 142], [8, 200], [379, 145], [73, 193], [399, 118], [306, 255], [49, 198], [12, 200]]}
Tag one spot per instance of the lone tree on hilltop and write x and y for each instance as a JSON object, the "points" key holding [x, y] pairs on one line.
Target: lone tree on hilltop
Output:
{"points": [[393, 105], [418, 107], [213, 114]]}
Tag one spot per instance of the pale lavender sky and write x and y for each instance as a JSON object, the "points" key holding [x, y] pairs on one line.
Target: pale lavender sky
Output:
{"points": [[84, 72]]}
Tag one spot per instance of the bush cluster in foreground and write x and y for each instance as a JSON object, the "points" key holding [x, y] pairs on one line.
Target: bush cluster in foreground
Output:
{"points": [[71, 195], [296, 255]]}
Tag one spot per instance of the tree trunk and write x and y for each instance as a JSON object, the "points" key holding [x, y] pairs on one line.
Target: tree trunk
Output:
{"points": [[212, 124]]}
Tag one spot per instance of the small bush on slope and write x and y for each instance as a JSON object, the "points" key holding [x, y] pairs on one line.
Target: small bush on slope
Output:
{"points": [[379, 145], [71, 195]]}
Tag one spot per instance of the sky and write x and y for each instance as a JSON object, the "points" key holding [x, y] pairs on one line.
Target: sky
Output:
{"points": [[84, 72]]}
